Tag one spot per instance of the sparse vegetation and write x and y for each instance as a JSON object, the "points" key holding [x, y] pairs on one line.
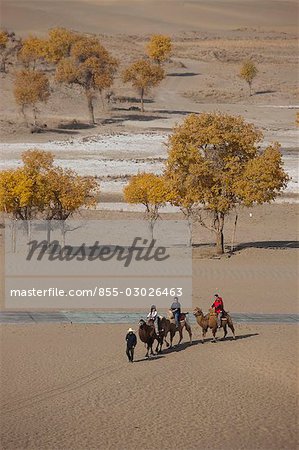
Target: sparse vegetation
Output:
{"points": [[159, 48], [143, 75], [248, 72]]}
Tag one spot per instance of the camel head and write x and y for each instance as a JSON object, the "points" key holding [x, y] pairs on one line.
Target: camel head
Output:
{"points": [[142, 323], [212, 312], [197, 312]]}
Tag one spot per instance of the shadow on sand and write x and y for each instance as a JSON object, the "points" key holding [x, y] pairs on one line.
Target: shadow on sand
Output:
{"points": [[138, 117], [44, 130], [74, 125], [269, 91], [173, 111], [151, 358], [184, 345], [183, 74], [125, 99], [268, 245]]}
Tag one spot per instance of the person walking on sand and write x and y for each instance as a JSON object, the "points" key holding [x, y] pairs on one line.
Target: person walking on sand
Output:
{"points": [[219, 308], [176, 310], [131, 344]]}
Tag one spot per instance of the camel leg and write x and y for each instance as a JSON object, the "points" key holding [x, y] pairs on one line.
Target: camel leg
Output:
{"points": [[181, 335], [225, 330], [233, 329], [166, 342], [151, 348], [204, 332], [172, 334], [160, 342], [214, 330], [188, 328]]}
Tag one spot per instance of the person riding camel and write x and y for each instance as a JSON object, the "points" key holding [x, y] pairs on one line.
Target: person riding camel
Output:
{"points": [[219, 308], [176, 310], [153, 315]]}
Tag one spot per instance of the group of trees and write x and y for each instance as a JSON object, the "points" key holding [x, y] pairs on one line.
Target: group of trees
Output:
{"points": [[215, 164], [82, 60], [41, 190], [77, 59]]}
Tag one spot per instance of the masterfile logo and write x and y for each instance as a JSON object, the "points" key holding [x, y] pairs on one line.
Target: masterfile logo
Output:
{"points": [[97, 264]]}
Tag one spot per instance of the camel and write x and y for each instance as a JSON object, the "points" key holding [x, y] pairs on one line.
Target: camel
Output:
{"points": [[147, 334], [210, 321], [170, 327]]}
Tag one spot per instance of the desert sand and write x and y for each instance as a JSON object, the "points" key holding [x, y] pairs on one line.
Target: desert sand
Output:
{"points": [[70, 387], [148, 16]]}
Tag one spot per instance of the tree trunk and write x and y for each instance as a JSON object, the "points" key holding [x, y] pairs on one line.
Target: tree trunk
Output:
{"points": [[219, 243], [48, 232], [34, 115], [141, 99], [190, 223], [90, 108], [151, 229], [218, 228], [234, 234], [3, 66]]}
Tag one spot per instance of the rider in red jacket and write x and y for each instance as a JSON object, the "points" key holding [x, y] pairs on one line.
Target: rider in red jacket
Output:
{"points": [[219, 308]]}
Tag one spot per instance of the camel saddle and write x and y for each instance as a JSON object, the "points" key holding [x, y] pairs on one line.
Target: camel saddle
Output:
{"points": [[183, 316]]}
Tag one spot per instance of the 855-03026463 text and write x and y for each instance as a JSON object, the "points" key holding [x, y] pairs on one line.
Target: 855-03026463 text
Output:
{"points": [[99, 291]]}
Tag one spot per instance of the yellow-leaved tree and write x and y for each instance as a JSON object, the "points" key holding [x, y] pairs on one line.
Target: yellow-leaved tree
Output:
{"points": [[248, 72], [59, 43], [31, 87], [9, 45], [23, 190], [39, 189], [4, 39], [149, 190], [32, 50], [159, 48], [143, 75], [89, 66], [215, 163], [67, 192]]}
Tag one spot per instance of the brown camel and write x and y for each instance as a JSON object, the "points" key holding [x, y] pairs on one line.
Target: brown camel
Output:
{"points": [[170, 327], [147, 334], [210, 321]]}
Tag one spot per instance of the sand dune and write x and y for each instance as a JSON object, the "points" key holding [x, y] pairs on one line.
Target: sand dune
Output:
{"points": [[129, 16]]}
